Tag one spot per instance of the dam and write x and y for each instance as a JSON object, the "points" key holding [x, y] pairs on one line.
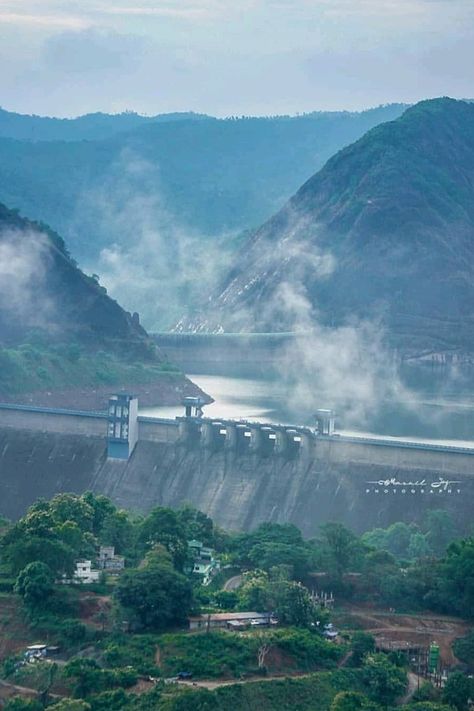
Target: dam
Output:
{"points": [[240, 473]]}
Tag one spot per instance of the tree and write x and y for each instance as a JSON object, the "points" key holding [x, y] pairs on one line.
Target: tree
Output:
{"points": [[267, 533], [196, 524], [101, 507], [362, 644], [292, 603], [70, 507], [353, 701], [426, 692], [376, 538], [35, 584], [398, 539], [199, 700], [464, 649], [28, 549], [440, 529], [20, 704], [341, 545], [226, 599], [162, 526], [88, 676], [457, 691], [457, 577], [268, 555], [253, 592], [385, 682], [418, 547], [117, 530], [157, 595], [54, 533]]}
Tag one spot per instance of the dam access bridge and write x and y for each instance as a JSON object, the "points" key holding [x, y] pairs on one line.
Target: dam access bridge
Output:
{"points": [[239, 472]]}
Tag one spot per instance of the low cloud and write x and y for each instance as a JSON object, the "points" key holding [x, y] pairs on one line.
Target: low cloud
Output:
{"points": [[150, 262], [24, 301], [348, 368]]}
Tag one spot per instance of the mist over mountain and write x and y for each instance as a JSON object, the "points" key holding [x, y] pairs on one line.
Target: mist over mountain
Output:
{"points": [[43, 289], [63, 340], [154, 203], [383, 234]]}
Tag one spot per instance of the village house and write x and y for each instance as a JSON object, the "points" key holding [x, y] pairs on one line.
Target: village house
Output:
{"points": [[107, 560], [231, 620], [84, 572], [203, 562]]}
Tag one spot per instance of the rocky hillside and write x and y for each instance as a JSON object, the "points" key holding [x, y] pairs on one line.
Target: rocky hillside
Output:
{"points": [[384, 232]]}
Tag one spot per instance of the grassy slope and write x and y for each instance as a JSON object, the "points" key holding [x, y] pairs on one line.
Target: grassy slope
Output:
{"points": [[28, 369]]}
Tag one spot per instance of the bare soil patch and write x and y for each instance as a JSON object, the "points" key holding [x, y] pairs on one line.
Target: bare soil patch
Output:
{"points": [[94, 610], [14, 633], [422, 629]]}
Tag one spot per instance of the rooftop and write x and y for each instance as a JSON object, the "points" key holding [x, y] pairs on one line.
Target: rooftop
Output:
{"points": [[222, 616]]}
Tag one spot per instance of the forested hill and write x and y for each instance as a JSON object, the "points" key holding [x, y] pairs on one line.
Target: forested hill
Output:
{"points": [[43, 290], [384, 231], [63, 341], [88, 127], [209, 176]]}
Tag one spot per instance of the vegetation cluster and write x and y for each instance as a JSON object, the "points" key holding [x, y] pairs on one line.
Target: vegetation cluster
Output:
{"points": [[124, 641]]}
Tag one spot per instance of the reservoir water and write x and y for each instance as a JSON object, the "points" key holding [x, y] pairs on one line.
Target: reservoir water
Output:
{"points": [[267, 399]]}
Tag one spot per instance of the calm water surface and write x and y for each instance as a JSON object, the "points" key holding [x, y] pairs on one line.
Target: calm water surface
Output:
{"points": [[265, 399]]}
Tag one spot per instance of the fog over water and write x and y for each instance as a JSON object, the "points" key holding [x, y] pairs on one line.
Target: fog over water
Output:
{"points": [[267, 399]]}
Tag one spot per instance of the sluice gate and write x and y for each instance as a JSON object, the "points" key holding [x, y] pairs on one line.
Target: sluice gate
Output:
{"points": [[239, 472]]}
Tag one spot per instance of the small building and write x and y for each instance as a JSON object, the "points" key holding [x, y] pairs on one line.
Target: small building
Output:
{"points": [[230, 620], [107, 560], [35, 652], [84, 572], [203, 561]]}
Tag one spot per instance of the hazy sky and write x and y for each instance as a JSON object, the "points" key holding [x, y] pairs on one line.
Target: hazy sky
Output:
{"points": [[67, 57]]}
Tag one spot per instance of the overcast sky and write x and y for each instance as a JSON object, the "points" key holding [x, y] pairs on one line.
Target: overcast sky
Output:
{"points": [[227, 57]]}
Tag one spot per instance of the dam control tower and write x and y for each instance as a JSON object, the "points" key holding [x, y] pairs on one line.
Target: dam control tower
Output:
{"points": [[122, 426], [325, 421]]}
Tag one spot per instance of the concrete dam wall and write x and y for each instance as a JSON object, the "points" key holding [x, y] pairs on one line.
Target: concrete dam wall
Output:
{"points": [[292, 475]]}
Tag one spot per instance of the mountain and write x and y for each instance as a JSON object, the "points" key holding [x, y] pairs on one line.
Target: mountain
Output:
{"points": [[60, 331], [43, 289], [212, 175], [384, 232], [135, 205], [90, 127]]}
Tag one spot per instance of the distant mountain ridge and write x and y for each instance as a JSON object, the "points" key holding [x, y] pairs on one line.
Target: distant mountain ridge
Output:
{"points": [[385, 231], [165, 189], [89, 127], [212, 175]]}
